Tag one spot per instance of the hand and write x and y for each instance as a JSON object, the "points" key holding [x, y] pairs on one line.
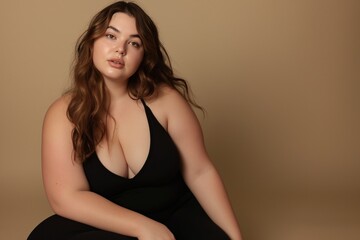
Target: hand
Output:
{"points": [[152, 230]]}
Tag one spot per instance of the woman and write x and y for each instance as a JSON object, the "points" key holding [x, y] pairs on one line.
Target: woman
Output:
{"points": [[123, 155]]}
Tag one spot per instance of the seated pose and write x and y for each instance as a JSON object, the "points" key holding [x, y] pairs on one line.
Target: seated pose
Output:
{"points": [[123, 155]]}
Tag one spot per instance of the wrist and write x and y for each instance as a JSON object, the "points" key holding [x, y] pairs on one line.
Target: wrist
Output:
{"points": [[140, 226]]}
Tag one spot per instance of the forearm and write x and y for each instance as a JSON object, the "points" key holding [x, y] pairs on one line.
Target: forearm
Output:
{"points": [[208, 185], [94, 210]]}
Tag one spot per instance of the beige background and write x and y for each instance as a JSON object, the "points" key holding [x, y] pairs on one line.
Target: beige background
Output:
{"points": [[279, 80]]}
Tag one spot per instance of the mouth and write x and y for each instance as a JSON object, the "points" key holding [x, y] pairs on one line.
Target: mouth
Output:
{"points": [[117, 63]]}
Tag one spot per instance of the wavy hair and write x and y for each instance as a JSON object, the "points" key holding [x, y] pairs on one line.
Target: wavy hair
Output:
{"points": [[89, 101]]}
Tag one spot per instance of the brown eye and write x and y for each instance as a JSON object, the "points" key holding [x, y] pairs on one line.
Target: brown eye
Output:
{"points": [[134, 44], [110, 36]]}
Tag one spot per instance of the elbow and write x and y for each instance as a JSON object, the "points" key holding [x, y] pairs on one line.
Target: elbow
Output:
{"points": [[67, 203], [60, 202], [57, 205], [197, 173]]}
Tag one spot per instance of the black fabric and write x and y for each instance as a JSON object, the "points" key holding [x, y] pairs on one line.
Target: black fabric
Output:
{"points": [[157, 191]]}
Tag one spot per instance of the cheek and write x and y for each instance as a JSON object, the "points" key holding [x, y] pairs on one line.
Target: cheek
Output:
{"points": [[97, 53], [95, 60], [139, 57]]}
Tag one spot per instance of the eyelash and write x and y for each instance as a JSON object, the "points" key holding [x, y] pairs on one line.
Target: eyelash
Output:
{"points": [[132, 43], [135, 44], [110, 36]]}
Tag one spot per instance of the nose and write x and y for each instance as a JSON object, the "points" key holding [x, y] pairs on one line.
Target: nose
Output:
{"points": [[121, 49]]}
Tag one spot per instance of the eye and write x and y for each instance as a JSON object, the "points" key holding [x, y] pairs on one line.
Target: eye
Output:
{"points": [[135, 44], [110, 36]]}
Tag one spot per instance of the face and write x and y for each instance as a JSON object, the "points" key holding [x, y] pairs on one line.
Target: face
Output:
{"points": [[118, 53]]}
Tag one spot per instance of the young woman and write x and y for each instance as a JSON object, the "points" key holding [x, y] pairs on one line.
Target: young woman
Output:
{"points": [[123, 155]]}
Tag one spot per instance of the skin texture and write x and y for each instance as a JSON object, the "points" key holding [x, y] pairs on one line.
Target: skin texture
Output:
{"points": [[117, 56]]}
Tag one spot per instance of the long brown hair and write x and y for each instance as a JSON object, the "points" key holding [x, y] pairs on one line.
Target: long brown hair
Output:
{"points": [[89, 99]]}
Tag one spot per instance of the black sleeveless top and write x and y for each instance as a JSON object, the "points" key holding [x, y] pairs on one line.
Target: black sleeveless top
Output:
{"points": [[156, 189]]}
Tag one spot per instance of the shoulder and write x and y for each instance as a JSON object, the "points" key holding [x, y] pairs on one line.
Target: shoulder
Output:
{"points": [[176, 108], [59, 106], [57, 130], [169, 106], [56, 114], [168, 101], [169, 98]]}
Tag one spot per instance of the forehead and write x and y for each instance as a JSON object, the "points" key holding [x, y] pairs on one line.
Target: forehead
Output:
{"points": [[123, 22]]}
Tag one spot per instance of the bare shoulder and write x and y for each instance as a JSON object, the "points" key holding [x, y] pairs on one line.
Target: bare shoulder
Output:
{"points": [[176, 108], [59, 105], [169, 105], [57, 112], [171, 100]]}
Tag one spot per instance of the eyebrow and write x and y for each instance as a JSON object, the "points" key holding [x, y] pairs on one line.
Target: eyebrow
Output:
{"points": [[118, 31]]}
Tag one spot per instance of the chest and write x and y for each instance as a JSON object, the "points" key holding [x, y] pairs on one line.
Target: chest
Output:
{"points": [[159, 162], [126, 147]]}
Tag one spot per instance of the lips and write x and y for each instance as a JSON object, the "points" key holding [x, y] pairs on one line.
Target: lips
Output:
{"points": [[116, 63]]}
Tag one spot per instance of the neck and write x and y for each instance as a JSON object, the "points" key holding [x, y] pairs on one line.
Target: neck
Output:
{"points": [[117, 89]]}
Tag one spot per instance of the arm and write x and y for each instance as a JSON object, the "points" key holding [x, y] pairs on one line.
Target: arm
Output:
{"points": [[198, 171], [68, 191]]}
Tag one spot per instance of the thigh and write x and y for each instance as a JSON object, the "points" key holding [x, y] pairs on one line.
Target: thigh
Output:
{"points": [[60, 228], [191, 222], [100, 234]]}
